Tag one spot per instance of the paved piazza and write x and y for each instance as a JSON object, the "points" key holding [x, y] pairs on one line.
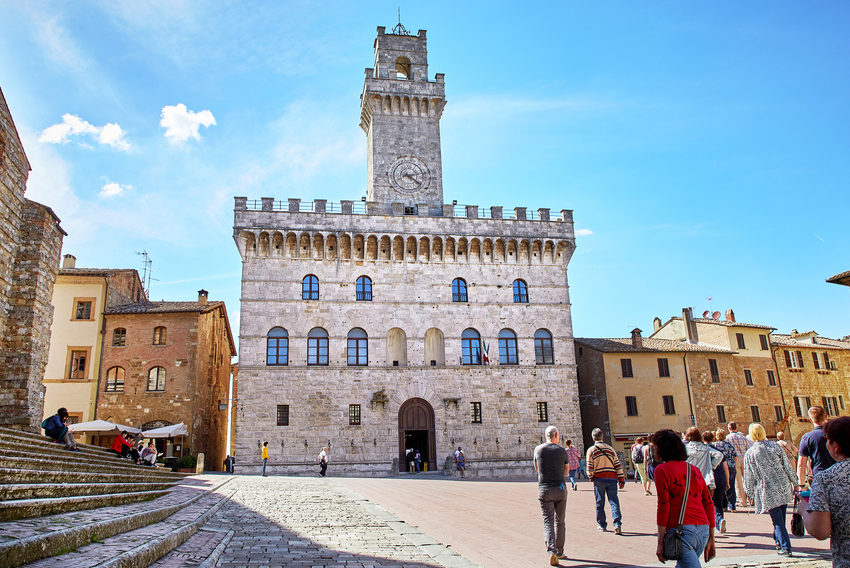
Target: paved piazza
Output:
{"points": [[431, 520]]}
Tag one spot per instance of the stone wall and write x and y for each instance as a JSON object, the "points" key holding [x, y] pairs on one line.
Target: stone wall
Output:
{"points": [[30, 245]]}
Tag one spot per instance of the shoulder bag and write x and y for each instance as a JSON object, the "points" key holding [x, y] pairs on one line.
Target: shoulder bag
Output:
{"points": [[673, 538]]}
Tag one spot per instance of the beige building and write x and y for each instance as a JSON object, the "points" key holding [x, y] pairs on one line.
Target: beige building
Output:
{"points": [[80, 297], [814, 370], [405, 322], [635, 386], [747, 391]]}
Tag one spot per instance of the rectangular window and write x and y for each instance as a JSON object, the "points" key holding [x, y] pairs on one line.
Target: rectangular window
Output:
{"points": [[542, 412], [748, 377], [78, 364], [763, 341], [740, 338], [827, 364], [354, 415], [794, 359], [721, 414], [830, 403], [754, 410], [626, 368], [283, 415], [631, 406], [815, 359], [119, 337], [802, 405], [771, 378], [669, 407], [841, 401], [83, 309], [715, 373], [663, 368], [75, 417], [475, 412], [780, 413]]}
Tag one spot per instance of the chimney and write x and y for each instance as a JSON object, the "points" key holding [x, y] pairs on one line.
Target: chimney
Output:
{"points": [[691, 335], [730, 315], [637, 340], [69, 261], [202, 297], [656, 324]]}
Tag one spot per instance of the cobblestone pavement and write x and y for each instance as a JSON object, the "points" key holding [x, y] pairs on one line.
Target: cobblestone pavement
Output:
{"points": [[289, 521]]}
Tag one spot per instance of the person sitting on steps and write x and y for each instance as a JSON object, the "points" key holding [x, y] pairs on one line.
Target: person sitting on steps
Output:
{"points": [[56, 427]]}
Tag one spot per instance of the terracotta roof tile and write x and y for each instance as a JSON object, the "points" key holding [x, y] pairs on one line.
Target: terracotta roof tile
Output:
{"points": [[820, 342], [650, 345], [163, 307]]}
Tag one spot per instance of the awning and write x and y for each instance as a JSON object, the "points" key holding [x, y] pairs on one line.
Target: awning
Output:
{"points": [[102, 426], [167, 431]]}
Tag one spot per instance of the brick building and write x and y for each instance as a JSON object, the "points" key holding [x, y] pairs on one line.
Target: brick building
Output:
{"points": [[813, 370], [635, 386], [80, 297], [30, 245], [165, 363], [749, 390], [368, 328]]}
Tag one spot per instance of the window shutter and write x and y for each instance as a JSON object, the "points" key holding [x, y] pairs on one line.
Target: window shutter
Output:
{"points": [[826, 361], [815, 359], [787, 358], [800, 358]]}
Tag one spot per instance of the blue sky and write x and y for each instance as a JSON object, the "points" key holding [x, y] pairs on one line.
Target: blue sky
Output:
{"points": [[702, 146]]}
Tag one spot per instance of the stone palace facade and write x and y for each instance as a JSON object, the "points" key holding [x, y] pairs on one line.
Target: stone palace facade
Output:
{"points": [[403, 321]]}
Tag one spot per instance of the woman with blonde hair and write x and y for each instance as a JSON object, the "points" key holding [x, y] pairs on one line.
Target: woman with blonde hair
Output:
{"points": [[769, 480]]}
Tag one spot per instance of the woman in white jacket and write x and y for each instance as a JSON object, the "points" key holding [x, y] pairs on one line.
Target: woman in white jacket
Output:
{"points": [[770, 480], [703, 456]]}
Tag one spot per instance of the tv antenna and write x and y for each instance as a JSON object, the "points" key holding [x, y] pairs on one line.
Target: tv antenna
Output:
{"points": [[147, 270], [400, 29]]}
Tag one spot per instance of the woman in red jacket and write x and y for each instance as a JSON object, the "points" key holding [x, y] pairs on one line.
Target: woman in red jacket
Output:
{"points": [[670, 481]]}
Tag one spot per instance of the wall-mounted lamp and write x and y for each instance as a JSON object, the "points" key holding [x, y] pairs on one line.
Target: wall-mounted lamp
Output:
{"points": [[454, 202], [363, 199]]}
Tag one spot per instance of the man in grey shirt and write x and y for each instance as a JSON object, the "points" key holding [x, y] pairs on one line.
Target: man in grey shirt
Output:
{"points": [[551, 464]]}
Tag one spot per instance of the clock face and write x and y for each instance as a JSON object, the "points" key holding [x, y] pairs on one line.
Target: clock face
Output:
{"points": [[409, 175]]}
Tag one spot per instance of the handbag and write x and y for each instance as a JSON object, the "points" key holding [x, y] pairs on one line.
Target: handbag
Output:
{"points": [[797, 527], [673, 539]]}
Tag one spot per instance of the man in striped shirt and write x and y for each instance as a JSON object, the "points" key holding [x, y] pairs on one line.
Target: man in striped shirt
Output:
{"points": [[741, 444], [606, 472]]}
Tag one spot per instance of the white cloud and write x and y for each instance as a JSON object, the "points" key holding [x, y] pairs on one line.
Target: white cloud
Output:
{"points": [[583, 232], [181, 123], [109, 134], [111, 189]]}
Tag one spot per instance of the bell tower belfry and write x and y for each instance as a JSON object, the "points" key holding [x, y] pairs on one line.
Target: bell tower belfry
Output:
{"points": [[400, 112]]}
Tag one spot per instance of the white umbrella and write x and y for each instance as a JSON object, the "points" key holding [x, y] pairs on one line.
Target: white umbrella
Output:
{"points": [[167, 431], [102, 426]]}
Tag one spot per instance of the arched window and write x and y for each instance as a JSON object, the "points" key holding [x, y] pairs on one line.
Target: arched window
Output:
{"points": [[115, 379], [543, 347], [119, 337], [310, 288], [358, 348], [159, 335], [507, 348], [364, 289], [402, 68], [470, 342], [520, 292], [156, 379], [458, 290], [277, 347], [317, 347]]}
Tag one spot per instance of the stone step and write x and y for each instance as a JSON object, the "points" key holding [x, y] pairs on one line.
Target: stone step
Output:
{"points": [[119, 466], [62, 454], [201, 550], [24, 508], [37, 440], [9, 492], [145, 475], [29, 540]]}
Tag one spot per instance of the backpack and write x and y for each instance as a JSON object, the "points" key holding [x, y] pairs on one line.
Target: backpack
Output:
{"points": [[650, 458], [637, 454]]}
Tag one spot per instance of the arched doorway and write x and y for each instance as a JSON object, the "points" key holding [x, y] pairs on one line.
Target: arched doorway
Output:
{"points": [[416, 430]]}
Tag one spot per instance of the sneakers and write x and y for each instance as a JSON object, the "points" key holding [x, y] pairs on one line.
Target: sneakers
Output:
{"points": [[618, 529], [722, 526], [553, 559], [784, 552], [601, 528]]}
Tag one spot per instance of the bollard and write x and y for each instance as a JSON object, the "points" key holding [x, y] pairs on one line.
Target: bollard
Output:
{"points": [[199, 467]]}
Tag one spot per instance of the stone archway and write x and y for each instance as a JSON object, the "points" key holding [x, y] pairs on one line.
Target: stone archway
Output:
{"points": [[416, 429]]}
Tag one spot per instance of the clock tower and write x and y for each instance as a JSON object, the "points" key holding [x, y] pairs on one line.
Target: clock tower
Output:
{"points": [[400, 112]]}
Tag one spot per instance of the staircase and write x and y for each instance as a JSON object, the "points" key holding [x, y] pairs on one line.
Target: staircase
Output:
{"points": [[92, 507]]}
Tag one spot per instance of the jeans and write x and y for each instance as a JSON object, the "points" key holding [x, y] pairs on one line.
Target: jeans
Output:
{"points": [[730, 493], [573, 476], [694, 541], [553, 504], [602, 488], [265, 460], [780, 533]]}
